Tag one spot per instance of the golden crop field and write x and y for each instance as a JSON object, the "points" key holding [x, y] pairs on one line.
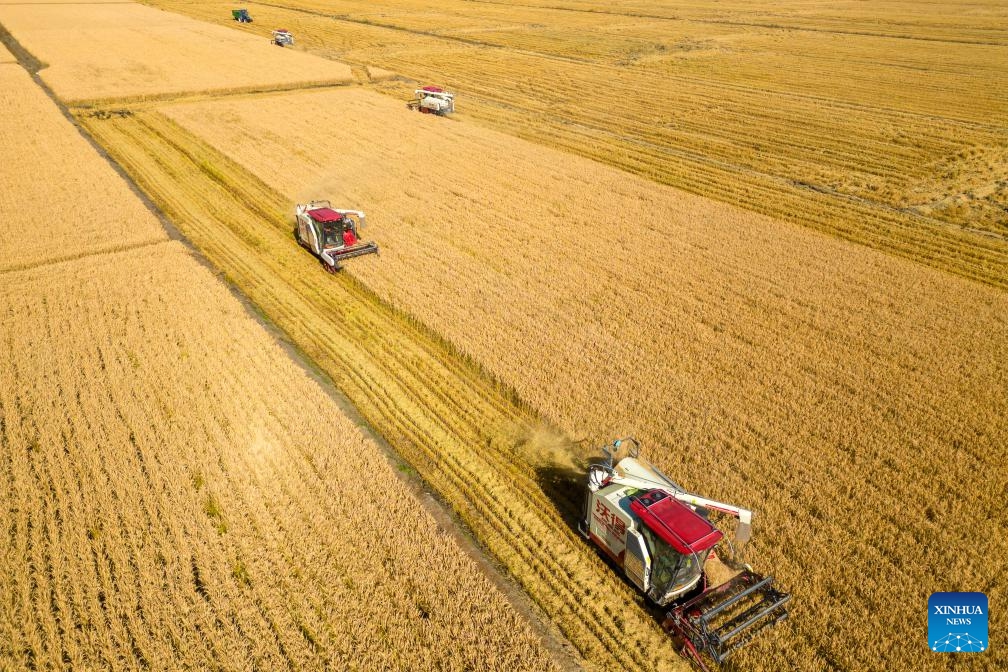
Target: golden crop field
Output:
{"points": [[176, 491], [5, 55], [764, 364], [884, 125], [465, 434], [127, 50], [47, 170], [819, 331]]}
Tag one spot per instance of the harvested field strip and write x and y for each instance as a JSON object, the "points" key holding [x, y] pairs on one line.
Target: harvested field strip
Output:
{"points": [[155, 463], [458, 428], [104, 52]]}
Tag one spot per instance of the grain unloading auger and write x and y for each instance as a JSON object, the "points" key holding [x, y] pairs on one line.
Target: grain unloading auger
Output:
{"points": [[331, 235], [662, 538]]}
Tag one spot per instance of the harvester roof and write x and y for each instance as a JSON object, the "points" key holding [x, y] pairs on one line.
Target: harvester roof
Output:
{"points": [[325, 215], [675, 523]]}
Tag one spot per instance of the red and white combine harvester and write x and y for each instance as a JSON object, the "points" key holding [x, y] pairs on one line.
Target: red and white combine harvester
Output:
{"points": [[433, 100], [331, 235], [282, 38], [662, 538]]}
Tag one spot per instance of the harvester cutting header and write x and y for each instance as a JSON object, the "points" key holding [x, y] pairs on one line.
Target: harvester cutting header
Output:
{"points": [[661, 536]]}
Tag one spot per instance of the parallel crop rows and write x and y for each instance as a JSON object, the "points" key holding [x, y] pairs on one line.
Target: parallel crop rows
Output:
{"points": [[175, 489], [882, 141], [462, 432], [764, 364]]}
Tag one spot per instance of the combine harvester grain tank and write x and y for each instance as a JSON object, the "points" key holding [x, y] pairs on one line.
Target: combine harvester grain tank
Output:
{"points": [[661, 537]]}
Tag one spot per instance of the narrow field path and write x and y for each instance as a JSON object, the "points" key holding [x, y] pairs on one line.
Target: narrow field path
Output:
{"points": [[465, 434]]}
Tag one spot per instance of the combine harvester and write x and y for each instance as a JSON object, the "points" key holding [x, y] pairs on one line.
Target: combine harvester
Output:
{"points": [[331, 235], [433, 100], [241, 15], [661, 537], [283, 38]]}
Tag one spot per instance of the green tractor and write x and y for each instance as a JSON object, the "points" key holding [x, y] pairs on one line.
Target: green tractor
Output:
{"points": [[241, 15]]}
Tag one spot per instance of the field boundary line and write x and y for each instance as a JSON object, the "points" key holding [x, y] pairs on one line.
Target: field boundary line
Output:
{"points": [[102, 252], [206, 94], [738, 169]]}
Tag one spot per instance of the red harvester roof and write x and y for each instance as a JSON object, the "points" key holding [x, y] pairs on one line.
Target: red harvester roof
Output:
{"points": [[323, 215], [433, 89], [674, 522]]}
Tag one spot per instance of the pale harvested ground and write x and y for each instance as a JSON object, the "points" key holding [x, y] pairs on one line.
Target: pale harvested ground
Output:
{"points": [[103, 51], [176, 491], [842, 393], [6, 56], [59, 199]]}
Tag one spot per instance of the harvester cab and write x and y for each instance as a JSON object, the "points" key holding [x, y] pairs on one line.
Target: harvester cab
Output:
{"points": [[241, 15], [662, 538], [282, 37], [432, 100], [331, 235]]}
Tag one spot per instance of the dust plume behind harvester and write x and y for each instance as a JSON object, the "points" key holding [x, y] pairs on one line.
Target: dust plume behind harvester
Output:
{"points": [[662, 538], [432, 100], [331, 235]]}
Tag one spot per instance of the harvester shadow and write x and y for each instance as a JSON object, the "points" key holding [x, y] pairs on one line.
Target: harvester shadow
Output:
{"points": [[565, 487]]}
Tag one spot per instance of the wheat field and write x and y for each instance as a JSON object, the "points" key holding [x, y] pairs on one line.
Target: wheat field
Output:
{"points": [[60, 199], [5, 55], [176, 491], [763, 363], [126, 50], [886, 126]]}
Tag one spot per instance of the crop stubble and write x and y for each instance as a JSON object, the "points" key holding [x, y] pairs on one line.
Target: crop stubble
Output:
{"points": [[126, 50]]}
